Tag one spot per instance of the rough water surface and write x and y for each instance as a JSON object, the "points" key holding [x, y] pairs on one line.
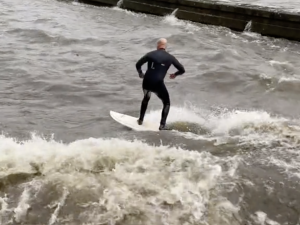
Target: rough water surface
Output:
{"points": [[232, 158]]}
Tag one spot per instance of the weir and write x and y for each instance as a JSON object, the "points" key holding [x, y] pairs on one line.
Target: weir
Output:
{"points": [[264, 21]]}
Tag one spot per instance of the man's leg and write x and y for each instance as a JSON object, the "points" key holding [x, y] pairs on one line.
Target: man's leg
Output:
{"points": [[147, 95], [163, 94]]}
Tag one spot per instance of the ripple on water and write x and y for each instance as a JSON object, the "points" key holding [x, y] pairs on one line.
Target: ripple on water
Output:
{"points": [[65, 66]]}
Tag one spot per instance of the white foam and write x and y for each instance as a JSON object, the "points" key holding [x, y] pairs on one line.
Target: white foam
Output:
{"points": [[276, 139], [261, 218], [173, 21], [126, 178], [223, 125], [4, 205], [128, 12], [116, 8], [59, 205], [23, 206], [274, 62], [292, 79], [178, 114]]}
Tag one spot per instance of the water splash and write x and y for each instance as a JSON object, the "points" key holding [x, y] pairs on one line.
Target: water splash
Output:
{"points": [[271, 140], [174, 12], [173, 21], [58, 206], [120, 3], [75, 2], [116, 181], [227, 125], [248, 26]]}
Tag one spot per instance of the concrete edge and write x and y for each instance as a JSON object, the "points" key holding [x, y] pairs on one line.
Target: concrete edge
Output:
{"points": [[265, 22]]}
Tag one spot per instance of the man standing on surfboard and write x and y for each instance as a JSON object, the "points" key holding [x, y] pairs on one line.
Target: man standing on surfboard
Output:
{"points": [[159, 62]]}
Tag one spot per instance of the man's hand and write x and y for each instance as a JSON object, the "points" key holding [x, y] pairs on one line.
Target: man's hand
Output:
{"points": [[172, 76], [141, 75]]}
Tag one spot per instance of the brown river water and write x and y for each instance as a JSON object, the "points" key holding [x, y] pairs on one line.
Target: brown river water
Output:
{"points": [[232, 158]]}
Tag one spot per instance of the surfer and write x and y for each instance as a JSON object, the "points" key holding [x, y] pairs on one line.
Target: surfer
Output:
{"points": [[159, 62]]}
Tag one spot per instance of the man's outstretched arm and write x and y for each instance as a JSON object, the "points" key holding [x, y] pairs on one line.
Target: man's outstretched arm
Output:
{"points": [[140, 63], [178, 66]]}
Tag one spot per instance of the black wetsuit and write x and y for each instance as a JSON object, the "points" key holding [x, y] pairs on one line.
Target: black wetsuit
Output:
{"points": [[159, 61]]}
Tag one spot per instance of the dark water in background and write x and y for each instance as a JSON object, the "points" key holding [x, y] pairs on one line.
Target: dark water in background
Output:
{"points": [[63, 66]]}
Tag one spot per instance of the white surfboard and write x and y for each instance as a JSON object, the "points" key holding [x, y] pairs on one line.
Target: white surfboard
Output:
{"points": [[131, 122]]}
